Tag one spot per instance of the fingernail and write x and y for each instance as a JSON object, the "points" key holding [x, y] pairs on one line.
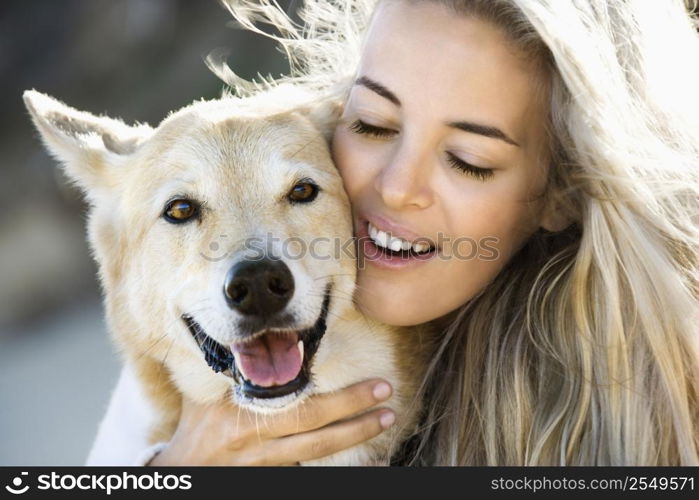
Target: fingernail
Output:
{"points": [[382, 390], [387, 419]]}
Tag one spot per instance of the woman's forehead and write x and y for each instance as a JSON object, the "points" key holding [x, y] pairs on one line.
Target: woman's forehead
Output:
{"points": [[452, 64]]}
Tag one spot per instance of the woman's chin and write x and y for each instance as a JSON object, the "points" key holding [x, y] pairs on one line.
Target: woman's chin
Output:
{"points": [[389, 316], [387, 305]]}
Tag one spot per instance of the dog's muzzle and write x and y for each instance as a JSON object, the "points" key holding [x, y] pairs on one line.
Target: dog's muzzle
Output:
{"points": [[270, 363]]}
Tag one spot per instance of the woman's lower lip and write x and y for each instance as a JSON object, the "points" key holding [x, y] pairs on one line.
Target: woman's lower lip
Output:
{"points": [[370, 252]]}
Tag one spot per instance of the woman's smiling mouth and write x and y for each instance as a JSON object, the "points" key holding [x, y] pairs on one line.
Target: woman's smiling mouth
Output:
{"points": [[390, 247]]}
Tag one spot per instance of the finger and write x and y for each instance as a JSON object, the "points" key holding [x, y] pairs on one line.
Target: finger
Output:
{"points": [[322, 409], [328, 440]]}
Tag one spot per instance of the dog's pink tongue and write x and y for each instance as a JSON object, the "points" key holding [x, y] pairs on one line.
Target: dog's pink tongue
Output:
{"points": [[273, 359]]}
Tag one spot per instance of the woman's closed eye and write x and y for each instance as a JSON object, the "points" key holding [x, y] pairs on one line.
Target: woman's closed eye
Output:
{"points": [[482, 174], [363, 128]]}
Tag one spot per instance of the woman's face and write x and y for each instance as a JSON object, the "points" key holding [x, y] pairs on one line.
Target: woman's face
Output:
{"points": [[442, 140]]}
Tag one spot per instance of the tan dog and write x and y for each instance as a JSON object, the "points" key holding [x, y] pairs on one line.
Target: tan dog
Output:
{"points": [[219, 238]]}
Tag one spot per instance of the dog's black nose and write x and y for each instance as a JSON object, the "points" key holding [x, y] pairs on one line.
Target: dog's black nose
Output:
{"points": [[258, 287]]}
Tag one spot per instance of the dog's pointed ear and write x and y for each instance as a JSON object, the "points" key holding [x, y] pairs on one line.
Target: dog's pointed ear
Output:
{"points": [[324, 116], [85, 144]]}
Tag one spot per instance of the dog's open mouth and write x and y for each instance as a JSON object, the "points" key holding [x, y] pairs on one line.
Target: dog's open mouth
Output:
{"points": [[269, 364]]}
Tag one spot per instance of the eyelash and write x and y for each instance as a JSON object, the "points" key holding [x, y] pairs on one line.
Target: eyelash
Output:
{"points": [[364, 128], [482, 174]]}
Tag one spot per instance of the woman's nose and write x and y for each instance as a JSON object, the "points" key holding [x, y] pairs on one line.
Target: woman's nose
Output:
{"points": [[405, 181]]}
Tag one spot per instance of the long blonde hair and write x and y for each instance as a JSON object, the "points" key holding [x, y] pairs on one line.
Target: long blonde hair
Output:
{"points": [[584, 350]]}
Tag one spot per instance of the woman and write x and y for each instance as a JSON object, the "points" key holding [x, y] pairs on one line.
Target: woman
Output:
{"points": [[565, 134]]}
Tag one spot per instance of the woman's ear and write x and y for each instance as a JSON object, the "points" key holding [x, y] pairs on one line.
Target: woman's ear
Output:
{"points": [[554, 217]]}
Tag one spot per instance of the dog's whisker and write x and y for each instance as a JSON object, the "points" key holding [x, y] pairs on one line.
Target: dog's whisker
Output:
{"points": [[237, 421], [158, 340], [334, 315], [298, 417], [167, 353], [338, 296], [334, 298], [326, 276], [199, 309], [301, 148], [161, 366], [257, 428], [334, 293]]}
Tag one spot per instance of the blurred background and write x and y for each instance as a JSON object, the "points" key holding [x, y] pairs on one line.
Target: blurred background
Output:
{"points": [[134, 59]]}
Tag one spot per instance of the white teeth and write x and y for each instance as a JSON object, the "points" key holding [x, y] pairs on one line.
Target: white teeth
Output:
{"points": [[372, 231], [300, 346], [421, 247], [383, 239]]}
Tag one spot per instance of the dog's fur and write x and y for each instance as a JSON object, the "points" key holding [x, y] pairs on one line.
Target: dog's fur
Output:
{"points": [[239, 157]]}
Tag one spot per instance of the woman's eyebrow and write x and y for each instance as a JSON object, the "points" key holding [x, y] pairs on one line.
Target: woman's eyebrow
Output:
{"points": [[484, 130], [377, 88], [474, 128]]}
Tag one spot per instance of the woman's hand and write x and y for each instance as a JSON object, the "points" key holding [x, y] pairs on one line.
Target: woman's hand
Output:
{"points": [[225, 434]]}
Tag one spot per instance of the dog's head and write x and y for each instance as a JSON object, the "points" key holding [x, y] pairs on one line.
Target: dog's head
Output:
{"points": [[223, 237]]}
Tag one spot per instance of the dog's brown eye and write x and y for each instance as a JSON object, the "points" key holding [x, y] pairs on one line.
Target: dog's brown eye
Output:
{"points": [[178, 211], [304, 192]]}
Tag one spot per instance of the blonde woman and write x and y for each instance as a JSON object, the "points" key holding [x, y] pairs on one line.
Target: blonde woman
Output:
{"points": [[566, 131]]}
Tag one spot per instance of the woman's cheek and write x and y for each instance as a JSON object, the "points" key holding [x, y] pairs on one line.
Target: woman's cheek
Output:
{"points": [[340, 152], [352, 161]]}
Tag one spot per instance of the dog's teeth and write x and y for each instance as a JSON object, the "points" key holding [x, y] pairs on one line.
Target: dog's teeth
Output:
{"points": [[300, 345]]}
